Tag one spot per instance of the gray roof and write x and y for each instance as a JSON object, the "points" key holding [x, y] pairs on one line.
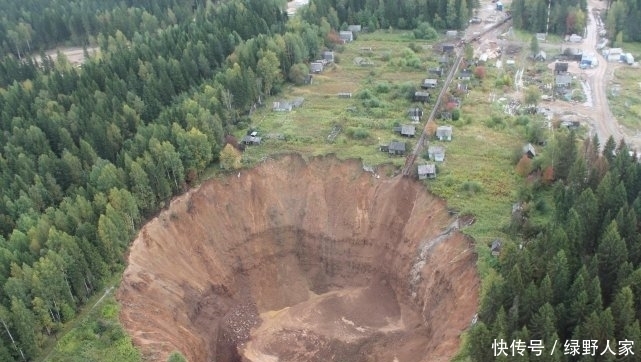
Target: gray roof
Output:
{"points": [[407, 130], [397, 146], [421, 94], [529, 148], [563, 79], [433, 149], [426, 169], [444, 130], [496, 245]]}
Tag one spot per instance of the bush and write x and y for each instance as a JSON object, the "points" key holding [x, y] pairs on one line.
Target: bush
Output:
{"points": [[471, 187], [357, 133], [382, 87], [456, 114], [425, 31]]}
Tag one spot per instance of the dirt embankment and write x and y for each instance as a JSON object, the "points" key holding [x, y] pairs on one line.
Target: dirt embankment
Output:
{"points": [[301, 261]]}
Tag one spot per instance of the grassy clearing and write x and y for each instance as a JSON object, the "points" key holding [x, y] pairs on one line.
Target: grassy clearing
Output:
{"points": [[625, 97], [96, 335]]}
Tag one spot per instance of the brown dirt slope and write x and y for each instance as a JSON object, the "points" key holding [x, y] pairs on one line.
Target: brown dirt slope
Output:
{"points": [[301, 261]]}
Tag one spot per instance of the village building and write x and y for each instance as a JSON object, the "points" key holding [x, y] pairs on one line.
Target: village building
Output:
{"points": [[560, 68], [563, 80], [429, 83], [529, 151], [394, 148], [415, 113], [444, 133], [496, 247], [436, 153], [426, 171], [421, 97], [316, 67], [346, 36], [328, 56], [406, 130]]}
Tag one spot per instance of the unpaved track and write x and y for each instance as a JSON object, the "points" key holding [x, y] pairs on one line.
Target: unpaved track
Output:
{"points": [[603, 121]]}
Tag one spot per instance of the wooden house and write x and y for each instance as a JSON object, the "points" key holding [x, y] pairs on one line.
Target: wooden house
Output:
{"points": [[426, 171]]}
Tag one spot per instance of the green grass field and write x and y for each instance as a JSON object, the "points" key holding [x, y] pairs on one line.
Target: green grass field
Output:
{"points": [[625, 96]]}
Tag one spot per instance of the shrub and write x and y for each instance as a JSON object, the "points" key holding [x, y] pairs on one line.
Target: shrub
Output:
{"points": [[456, 114], [382, 87], [425, 31], [357, 133], [471, 187]]}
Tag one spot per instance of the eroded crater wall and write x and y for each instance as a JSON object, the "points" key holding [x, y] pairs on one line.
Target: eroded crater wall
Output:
{"points": [[201, 272]]}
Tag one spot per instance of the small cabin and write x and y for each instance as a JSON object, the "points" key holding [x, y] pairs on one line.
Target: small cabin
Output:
{"points": [[436, 153], [316, 67], [421, 97], [444, 133], [346, 36], [496, 247], [426, 171], [429, 83], [394, 148]]}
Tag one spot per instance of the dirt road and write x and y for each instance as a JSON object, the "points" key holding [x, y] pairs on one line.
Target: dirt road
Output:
{"points": [[597, 108]]}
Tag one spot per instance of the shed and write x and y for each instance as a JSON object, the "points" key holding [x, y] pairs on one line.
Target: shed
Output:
{"points": [[541, 56], [309, 79], [421, 97], [415, 113], [444, 133], [354, 28], [436, 71], [346, 36], [282, 106], [328, 56], [447, 48], [560, 67], [250, 140], [574, 38], [465, 74], [541, 36], [344, 95], [496, 247], [613, 54], [429, 83], [629, 58], [499, 6], [563, 80], [396, 148], [529, 150], [426, 171], [443, 60], [436, 153], [316, 67], [451, 33], [408, 130]]}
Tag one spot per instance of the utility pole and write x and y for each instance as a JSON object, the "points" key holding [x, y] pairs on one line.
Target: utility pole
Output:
{"points": [[547, 23]]}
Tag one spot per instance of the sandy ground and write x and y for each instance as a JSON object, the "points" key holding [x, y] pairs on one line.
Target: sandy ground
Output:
{"points": [[301, 261], [75, 55]]}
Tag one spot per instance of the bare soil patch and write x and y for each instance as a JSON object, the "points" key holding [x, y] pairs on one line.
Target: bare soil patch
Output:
{"points": [[300, 260]]}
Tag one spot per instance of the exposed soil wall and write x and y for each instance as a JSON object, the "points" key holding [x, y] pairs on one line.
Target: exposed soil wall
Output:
{"points": [[301, 261]]}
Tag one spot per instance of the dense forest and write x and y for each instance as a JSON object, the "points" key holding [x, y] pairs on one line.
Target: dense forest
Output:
{"points": [[34, 25], [408, 14], [622, 20], [566, 16], [576, 278], [88, 153]]}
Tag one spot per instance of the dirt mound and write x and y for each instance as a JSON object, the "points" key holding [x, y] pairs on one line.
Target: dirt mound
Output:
{"points": [[301, 261]]}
